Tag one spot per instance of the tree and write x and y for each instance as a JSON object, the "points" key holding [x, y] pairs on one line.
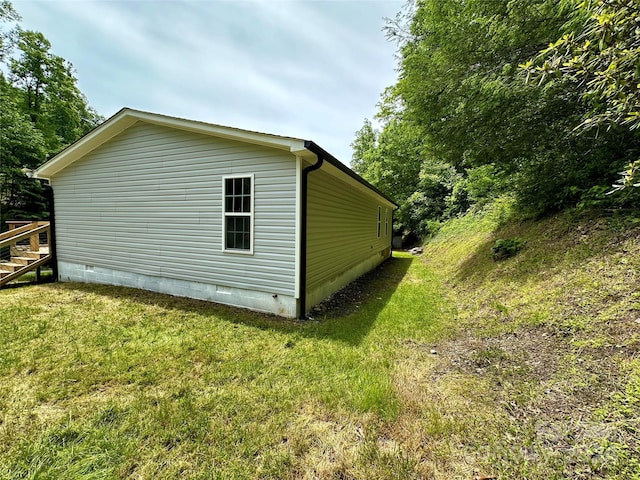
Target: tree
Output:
{"points": [[49, 91], [461, 125], [68, 115], [391, 160], [459, 81], [21, 146], [30, 72], [364, 146], [7, 14], [41, 111], [601, 59]]}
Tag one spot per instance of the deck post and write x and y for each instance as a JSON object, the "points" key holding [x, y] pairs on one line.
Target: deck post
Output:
{"points": [[12, 246], [34, 242]]}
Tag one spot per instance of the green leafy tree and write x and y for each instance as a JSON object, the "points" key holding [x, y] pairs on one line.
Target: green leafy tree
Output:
{"points": [[364, 147], [21, 146], [41, 111], [460, 91], [600, 57], [30, 72], [459, 80], [476, 129], [7, 14], [49, 90], [391, 160]]}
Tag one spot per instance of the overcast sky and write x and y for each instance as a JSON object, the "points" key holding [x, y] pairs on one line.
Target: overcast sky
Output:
{"points": [[301, 68]]}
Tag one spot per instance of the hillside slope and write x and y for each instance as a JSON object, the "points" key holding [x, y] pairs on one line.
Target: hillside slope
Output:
{"points": [[546, 343]]}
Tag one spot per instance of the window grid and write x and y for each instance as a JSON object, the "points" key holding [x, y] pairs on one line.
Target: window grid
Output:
{"points": [[238, 214], [379, 218], [237, 195], [386, 222]]}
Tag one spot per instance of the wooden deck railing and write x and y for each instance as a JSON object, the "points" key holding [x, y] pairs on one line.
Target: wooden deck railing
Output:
{"points": [[24, 258]]}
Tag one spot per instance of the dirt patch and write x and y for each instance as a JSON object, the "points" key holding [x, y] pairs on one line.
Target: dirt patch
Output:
{"points": [[344, 301], [531, 350], [550, 392], [348, 299]]}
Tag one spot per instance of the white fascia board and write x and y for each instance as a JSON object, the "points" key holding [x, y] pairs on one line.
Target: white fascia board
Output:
{"points": [[231, 133], [125, 118], [109, 129]]}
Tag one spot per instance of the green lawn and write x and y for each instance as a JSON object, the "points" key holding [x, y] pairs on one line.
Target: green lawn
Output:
{"points": [[106, 382], [535, 375]]}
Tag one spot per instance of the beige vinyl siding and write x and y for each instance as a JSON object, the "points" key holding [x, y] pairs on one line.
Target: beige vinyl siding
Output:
{"points": [[149, 201], [342, 231]]}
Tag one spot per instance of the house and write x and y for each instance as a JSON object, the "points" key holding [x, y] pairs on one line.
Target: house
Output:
{"points": [[266, 222]]}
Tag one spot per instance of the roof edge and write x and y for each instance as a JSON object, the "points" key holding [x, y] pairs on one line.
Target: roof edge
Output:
{"points": [[53, 165], [126, 117], [318, 150]]}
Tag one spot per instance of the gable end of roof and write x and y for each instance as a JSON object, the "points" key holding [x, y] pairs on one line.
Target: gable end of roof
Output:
{"points": [[127, 117]]}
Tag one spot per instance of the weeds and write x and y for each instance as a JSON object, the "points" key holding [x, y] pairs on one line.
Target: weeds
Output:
{"points": [[551, 331], [506, 248]]}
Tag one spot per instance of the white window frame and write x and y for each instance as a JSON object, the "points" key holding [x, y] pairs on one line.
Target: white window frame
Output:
{"points": [[386, 222], [379, 220], [250, 214]]}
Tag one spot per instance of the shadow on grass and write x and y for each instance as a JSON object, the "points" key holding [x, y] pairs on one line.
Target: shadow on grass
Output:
{"points": [[477, 266], [30, 278], [374, 292], [339, 323]]}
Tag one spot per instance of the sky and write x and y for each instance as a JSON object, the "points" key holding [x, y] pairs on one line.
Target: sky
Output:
{"points": [[311, 69]]}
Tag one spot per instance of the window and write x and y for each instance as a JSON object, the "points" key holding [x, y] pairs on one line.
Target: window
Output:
{"points": [[386, 222], [379, 218], [238, 214]]}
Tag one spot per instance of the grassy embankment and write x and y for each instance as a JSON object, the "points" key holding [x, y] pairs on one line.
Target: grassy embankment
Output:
{"points": [[548, 341], [536, 374]]}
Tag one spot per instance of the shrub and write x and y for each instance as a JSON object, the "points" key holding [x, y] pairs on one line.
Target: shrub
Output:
{"points": [[506, 248]]}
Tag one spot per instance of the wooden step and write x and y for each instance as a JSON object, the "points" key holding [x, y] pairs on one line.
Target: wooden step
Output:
{"points": [[23, 260], [25, 251], [3, 269], [7, 275], [10, 266], [35, 255]]}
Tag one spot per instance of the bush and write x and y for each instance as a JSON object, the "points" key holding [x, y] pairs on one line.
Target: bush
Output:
{"points": [[507, 248]]}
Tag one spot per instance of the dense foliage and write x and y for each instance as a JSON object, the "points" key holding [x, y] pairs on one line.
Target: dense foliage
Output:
{"points": [[41, 111], [483, 106], [603, 60]]}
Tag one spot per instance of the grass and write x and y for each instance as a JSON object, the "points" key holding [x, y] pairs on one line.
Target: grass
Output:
{"points": [[106, 382], [554, 335], [535, 373]]}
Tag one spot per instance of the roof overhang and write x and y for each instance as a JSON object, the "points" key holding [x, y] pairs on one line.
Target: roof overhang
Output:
{"points": [[127, 117], [353, 178]]}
